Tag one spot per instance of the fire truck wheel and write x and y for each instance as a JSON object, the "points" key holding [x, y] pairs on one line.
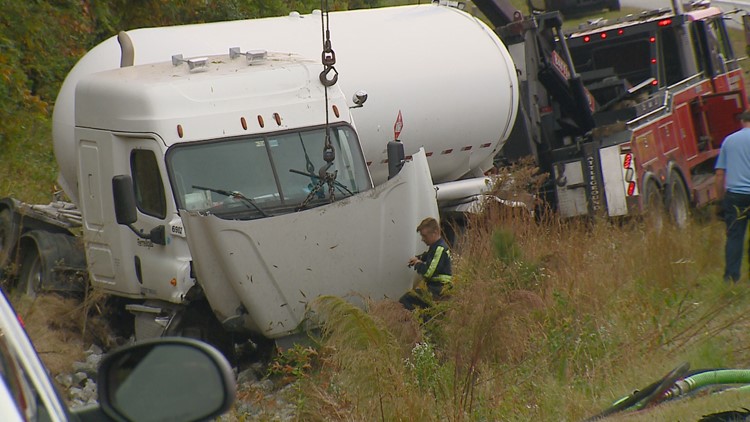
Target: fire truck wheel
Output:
{"points": [[678, 203], [654, 205]]}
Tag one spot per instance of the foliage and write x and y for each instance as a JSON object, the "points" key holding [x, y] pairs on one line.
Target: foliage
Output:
{"points": [[40, 41], [293, 363]]}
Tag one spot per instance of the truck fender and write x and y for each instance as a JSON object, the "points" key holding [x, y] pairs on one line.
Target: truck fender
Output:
{"points": [[648, 177], [62, 262]]}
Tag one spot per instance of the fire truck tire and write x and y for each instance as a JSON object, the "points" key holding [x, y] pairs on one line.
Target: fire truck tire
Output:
{"points": [[678, 203], [654, 205]]}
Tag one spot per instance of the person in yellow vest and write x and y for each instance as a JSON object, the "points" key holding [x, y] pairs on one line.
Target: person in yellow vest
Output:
{"points": [[434, 266]]}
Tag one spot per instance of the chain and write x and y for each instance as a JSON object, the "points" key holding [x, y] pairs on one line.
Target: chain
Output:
{"points": [[330, 180]]}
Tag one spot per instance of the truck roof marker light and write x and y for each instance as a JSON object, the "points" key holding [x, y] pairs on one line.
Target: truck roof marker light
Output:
{"points": [[665, 22], [261, 122], [277, 117], [486, 145], [654, 82], [620, 31], [603, 35], [586, 38], [179, 131], [429, 154], [653, 61], [652, 39], [335, 110], [243, 122], [447, 151], [631, 188], [466, 148], [252, 55], [193, 64], [173, 282]]}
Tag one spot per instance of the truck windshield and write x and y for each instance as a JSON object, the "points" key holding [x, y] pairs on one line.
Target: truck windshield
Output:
{"points": [[267, 175]]}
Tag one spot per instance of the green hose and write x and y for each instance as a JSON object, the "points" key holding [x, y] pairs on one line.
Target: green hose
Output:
{"points": [[719, 376]]}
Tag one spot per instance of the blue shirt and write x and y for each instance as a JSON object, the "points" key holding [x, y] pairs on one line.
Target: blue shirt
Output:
{"points": [[734, 158]]}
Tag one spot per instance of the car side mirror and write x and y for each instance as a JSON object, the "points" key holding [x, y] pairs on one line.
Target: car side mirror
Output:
{"points": [[169, 378]]}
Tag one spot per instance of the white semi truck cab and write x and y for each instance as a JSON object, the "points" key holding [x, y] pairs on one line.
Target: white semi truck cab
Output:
{"points": [[226, 142]]}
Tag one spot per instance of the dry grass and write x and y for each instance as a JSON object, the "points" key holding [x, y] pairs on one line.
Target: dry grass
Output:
{"points": [[62, 328], [550, 320]]}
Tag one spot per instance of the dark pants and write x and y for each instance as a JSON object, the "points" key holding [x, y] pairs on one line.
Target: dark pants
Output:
{"points": [[735, 216]]}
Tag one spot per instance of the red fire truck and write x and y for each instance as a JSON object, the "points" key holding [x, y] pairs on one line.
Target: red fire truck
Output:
{"points": [[627, 115]]}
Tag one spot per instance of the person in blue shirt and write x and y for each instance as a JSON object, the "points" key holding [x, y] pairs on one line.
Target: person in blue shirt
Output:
{"points": [[733, 188], [434, 266]]}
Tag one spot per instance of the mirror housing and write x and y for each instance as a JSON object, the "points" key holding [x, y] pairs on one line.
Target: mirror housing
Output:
{"points": [[158, 235], [169, 378], [395, 154], [124, 198]]}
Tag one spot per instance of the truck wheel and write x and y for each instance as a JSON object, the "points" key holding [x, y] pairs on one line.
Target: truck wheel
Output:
{"points": [[653, 206], [678, 203], [30, 278], [8, 237]]}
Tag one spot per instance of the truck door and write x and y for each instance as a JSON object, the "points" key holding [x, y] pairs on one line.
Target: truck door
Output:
{"points": [[120, 262], [162, 271], [713, 51]]}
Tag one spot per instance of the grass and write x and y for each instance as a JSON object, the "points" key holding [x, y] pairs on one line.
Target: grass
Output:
{"points": [[577, 315], [550, 320]]}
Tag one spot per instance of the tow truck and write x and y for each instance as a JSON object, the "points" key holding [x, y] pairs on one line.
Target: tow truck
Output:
{"points": [[627, 115]]}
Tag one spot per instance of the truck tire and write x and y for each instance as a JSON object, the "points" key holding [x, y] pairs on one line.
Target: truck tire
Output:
{"points": [[653, 206], [9, 229], [31, 275], [678, 203]]}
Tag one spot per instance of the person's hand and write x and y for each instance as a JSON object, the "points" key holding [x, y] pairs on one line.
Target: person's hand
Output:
{"points": [[414, 261]]}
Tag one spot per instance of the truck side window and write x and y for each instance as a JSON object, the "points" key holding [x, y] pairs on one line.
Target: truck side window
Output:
{"points": [[147, 183], [670, 65], [711, 44], [723, 48]]}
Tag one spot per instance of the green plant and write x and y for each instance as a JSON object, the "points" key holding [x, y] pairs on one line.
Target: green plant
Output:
{"points": [[293, 363]]}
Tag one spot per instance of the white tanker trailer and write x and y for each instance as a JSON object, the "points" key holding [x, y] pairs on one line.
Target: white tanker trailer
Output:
{"points": [[203, 176]]}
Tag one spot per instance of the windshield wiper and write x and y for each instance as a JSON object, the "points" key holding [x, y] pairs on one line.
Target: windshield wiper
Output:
{"points": [[339, 185], [234, 194]]}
